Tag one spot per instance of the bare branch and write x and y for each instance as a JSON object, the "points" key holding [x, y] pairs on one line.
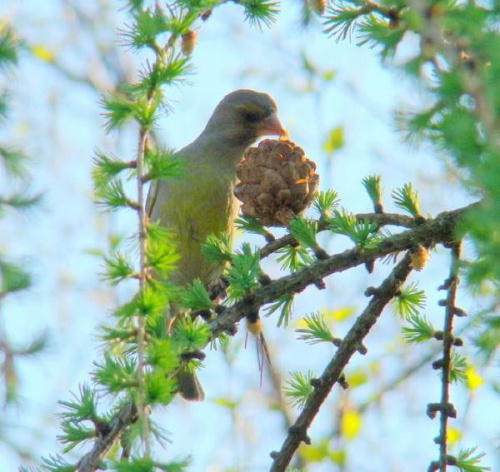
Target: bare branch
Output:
{"points": [[445, 408], [322, 386]]}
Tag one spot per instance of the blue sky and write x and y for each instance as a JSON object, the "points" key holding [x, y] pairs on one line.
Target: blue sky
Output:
{"points": [[59, 123]]}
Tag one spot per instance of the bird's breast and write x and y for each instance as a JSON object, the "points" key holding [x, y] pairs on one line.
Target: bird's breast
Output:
{"points": [[207, 205], [193, 207]]}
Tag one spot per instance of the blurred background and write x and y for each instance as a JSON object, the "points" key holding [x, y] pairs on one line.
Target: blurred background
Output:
{"points": [[338, 102]]}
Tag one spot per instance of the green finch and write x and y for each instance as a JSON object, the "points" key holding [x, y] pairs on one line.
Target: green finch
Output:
{"points": [[201, 201]]}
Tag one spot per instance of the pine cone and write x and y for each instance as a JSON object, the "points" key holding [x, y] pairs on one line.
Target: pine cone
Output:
{"points": [[188, 41], [277, 182]]}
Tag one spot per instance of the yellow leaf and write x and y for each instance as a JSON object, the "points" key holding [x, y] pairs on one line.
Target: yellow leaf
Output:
{"points": [[226, 403], [329, 75], [357, 378], [311, 454], [320, 452], [301, 323], [95, 252], [337, 457], [473, 379], [340, 314], [374, 367], [453, 435], [350, 424], [334, 140], [117, 348], [315, 453], [42, 53]]}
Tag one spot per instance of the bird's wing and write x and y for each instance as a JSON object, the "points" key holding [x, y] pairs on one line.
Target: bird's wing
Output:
{"points": [[151, 199]]}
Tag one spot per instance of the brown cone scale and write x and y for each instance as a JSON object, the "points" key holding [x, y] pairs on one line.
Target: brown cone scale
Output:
{"points": [[277, 182]]}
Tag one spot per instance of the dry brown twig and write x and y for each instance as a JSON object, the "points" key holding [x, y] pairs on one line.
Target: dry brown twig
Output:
{"points": [[333, 372]]}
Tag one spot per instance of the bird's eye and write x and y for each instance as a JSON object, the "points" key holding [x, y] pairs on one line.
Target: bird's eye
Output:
{"points": [[251, 117]]}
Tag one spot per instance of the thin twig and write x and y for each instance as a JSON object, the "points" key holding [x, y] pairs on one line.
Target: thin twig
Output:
{"points": [[433, 231], [141, 333], [124, 418], [412, 369], [385, 219], [432, 32], [350, 344], [445, 408]]}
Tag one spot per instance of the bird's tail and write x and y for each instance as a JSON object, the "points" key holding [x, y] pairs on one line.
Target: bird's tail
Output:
{"points": [[189, 386]]}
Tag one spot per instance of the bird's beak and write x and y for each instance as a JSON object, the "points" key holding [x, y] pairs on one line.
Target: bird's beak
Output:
{"points": [[271, 126]]}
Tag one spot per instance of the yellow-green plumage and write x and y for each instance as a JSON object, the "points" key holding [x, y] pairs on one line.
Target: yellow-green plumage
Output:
{"points": [[201, 201], [193, 207]]}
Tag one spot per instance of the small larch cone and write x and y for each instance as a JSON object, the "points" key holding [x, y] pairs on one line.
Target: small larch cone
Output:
{"points": [[188, 41], [277, 182]]}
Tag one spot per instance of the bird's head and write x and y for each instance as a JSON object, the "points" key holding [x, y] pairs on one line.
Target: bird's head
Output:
{"points": [[243, 116]]}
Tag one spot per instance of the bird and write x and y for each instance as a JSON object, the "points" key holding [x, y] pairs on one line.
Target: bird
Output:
{"points": [[201, 201]]}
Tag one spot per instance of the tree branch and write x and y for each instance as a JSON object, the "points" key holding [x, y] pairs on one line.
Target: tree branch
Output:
{"points": [[412, 369], [433, 231], [445, 408], [350, 344], [125, 417], [382, 219], [432, 32]]}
